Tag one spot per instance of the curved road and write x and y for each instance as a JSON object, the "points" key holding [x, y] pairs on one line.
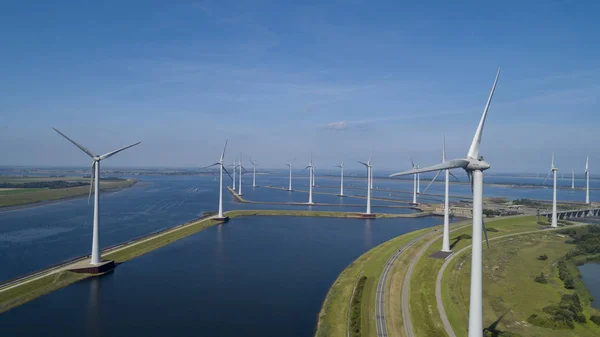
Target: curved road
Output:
{"points": [[380, 321], [438, 282]]}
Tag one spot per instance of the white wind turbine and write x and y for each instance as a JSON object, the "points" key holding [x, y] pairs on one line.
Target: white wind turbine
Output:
{"points": [[553, 171], [415, 191], [253, 172], [341, 166], [474, 165], [368, 166], [290, 166], [95, 182], [221, 169], [310, 178], [240, 177], [234, 167], [446, 236], [587, 180]]}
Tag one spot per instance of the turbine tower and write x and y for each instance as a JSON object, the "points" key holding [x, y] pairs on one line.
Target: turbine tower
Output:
{"points": [[253, 173], [234, 166], [95, 182], [415, 167], [310, 178], [290, 166], [418, 183], [553, 171], [474, 165], [587, 181], [572, 179], [221, 169], [313, 177], [341, 166], [371, 177], [240, 182], [446, 236], [368, 166]]}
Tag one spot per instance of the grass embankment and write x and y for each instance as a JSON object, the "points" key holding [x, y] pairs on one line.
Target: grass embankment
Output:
{"points": [[128, 251], [423, 312], [33, 195], [32, 290], [333, 317], [326, 214], [510, 293]]}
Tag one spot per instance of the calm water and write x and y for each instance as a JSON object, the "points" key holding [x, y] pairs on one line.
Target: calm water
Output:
{"points": [[591, 277], [256, 276]]}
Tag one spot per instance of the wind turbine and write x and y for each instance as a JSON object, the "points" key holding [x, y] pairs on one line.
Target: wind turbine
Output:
{"points": [[221, 169], [446, 236], [310, 178], [572, 179], [553, 171], [95, 182], [587, 181], [290, 166], [415, 167], [474, 165], [234, 166], [240, 182], [368, 166], [253, 173], [341, 166]]}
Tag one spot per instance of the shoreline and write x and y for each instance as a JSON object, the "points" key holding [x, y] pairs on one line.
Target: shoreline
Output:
{"points": [[21, 290], [42, 203]]}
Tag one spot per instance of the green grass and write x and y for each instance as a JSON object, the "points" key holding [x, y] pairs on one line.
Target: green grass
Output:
{"points": [[19, 190], [34, 195], [509, 290], [27, 292], [423, 310], [334, 311]]}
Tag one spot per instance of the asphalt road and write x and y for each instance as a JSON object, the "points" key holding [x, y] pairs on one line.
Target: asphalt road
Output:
{"points": [[380, 321]]}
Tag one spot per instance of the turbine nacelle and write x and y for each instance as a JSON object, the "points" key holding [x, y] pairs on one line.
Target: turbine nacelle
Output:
{"points": [[479, 165]]}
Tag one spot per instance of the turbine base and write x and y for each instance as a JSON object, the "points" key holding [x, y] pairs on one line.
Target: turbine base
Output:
{"points": [[222, 219], [85, 267], [367, 215], [441, 255]]}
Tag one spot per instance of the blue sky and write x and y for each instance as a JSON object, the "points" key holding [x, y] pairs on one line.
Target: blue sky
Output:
{"points": [[342, 79]]}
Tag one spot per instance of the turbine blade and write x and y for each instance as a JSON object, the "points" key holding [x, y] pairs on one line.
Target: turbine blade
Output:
{"points": [[474, 149], [224, 148], [587, 168], [224, 169], [243, 168], [552, 159], [305, 168], [453, 175], [288, 165], [548, 176], [369, 161], [487, 242], [250, 159], [91, 181], [455, 163], [444, 149], [432, 180], [363, 163], [205, 167], [110, 154], [411, 161], [81, 147]]}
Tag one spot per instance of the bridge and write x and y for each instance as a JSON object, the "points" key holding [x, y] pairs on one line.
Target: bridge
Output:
{"points": [[579, 213]]}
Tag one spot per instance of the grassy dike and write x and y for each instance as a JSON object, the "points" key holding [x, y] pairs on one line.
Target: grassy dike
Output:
{"points": [[333, 317], [59, 278], [510, 294], [35, 195], [422, 285]]}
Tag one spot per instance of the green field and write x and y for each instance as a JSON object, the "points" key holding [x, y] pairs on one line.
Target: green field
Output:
{"points": [[510, 294], [23, 196]]}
